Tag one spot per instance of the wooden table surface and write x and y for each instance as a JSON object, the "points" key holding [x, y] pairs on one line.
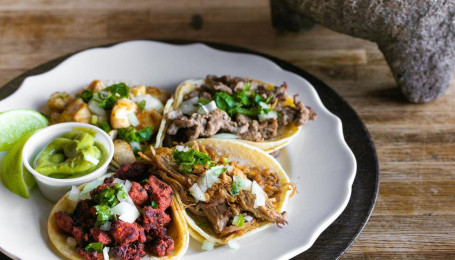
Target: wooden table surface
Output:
{"points": [[415, 212]]}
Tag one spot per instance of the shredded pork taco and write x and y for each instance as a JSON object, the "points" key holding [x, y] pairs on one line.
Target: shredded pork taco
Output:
{"points": [[119, 219], [255, 112], [226, 189]]}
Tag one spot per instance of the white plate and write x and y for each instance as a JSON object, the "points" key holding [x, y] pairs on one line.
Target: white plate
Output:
{"points": [[318, 160]]}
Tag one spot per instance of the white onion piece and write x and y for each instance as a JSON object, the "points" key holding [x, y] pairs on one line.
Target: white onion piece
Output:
{"points": [[91, 186], [128, 185], [74, 193], [113, 134], [208, 245], [119, 181], [229, 168], [210, 177], [91, 159], [245, 184], [197, 193], [135, 146], [106, 253], [151, 102], [71, 241], [95, 108], [133, 119], [126, 212], [269, 115], [264, 105], [248, 218], [260, 197], [226, 136], [182, 148], [233, 244], [207, 109], [190, 106], [106, 226]]}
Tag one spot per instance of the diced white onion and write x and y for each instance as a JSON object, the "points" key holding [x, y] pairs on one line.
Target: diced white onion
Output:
{"points": [[151, 102], [245, 184], [71, 241], [95, 108], [113, 134], [126, 212], [119, 181], [91, 159], [74, 193], [128, 185], [210, 177], [106, 253], [208, 245], [91, 186], [269, 115], [229, 168], [197, 193], [106, 226], [264, 105], [207, 109], [190, 106], [233, 244], [133, 119], [248, 218], [226, 136], [260, 198], [182, 148]]}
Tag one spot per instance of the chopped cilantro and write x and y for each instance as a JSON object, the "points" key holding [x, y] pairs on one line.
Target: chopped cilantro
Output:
{"points": [[62, 95], [117, 91], [235, 188], [120, 90], [108, 102], [130, 134], [103, 214], [105, 126], [238, 221], [144, 181], [154, 204], [105, 200], [225, 160], [94, 247], [190, 158], [142, 105], [87, 95]]}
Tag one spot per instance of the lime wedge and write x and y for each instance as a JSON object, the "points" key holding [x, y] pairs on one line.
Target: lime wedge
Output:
{"points": [[14, 124], [14, 174]]}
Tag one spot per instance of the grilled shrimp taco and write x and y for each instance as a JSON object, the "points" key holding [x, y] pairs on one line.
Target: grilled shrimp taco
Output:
{"points": [[226, 188], [119, 219], [252, 111], [131, 114]]}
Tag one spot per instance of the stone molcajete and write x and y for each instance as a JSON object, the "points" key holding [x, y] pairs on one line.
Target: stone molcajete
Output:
{"points": [[417, 37]]}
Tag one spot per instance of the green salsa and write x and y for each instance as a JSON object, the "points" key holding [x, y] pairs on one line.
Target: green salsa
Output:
{"points": [[71, 155]]}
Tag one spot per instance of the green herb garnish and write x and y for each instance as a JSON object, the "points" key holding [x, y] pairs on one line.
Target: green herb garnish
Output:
{"points": [[94, 247], [105, 126], [235, 188], [238, 221], [120, 90], [130, 134], [190, 158], [87, 95], [142, 105], [154, 204]]}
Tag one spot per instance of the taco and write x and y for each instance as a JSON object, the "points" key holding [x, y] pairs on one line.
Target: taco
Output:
{"points": [[249, 110], [119, 219], [226, 189]]}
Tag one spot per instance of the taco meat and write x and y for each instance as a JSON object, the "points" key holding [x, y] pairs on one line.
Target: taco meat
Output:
{"points": [[95, 227], [226, 194], [246, 108]]}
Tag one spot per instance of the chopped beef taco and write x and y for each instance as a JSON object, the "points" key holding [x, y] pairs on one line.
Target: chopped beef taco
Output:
{"points": [[227, 189], [119, 219], [255, 112]]}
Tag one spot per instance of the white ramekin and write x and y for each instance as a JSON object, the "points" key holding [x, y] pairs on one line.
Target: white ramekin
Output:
{"points": [[52, 188]]}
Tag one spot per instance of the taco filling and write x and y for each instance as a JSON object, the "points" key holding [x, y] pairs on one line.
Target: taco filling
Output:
{"points": [[247, 109], [223, 197], [120, 219]]}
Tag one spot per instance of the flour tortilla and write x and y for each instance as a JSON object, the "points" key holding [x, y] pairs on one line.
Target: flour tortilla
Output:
{"points": [[177, 229], [246, 155], [284, 134]]}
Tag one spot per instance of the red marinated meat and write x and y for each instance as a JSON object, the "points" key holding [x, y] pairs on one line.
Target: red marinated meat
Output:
{"points": [[124, 232], [131, 251], [159, 192], [90, 255], [162, 245], [109, 180], [100, 236], [64, 221], [80, 235], [138, 194], [154, 218], [135, 171], [83, 216]]}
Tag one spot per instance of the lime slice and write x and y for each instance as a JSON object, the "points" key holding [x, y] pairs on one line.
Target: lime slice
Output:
{"points": [[14, 174], [14, 124]]}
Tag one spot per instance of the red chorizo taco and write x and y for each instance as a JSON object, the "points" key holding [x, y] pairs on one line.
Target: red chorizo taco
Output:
{"points": [[119, 219], [248, 110], [227, 189]]}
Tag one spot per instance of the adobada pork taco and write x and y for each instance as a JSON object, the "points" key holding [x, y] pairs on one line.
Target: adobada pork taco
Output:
{"points": [[227, 189], [119, 219], [255, 112]]}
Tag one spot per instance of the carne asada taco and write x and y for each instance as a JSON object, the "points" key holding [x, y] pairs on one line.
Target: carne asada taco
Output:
{"points": [[119, 219], [227, 189], [131, 114], [255, 112]]}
